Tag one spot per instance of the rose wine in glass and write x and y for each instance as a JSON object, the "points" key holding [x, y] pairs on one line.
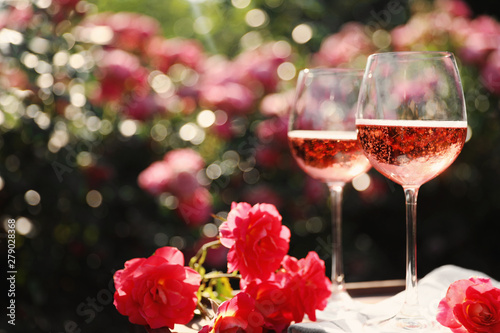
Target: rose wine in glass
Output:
{"points": [[412, 125], [323, 140]]}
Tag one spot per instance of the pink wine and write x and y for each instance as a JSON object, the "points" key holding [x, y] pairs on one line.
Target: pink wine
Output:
{"points": [[330, 156], [411, 152]]}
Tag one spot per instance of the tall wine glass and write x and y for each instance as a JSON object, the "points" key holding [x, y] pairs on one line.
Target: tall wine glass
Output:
{"points": [[323, 140], [412, 125]]}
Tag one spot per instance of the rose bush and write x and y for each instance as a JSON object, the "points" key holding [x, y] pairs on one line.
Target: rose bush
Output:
{"points": [[471, 306], [157, 291]]}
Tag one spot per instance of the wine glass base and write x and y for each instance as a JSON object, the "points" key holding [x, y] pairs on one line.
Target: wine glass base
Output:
{"points": [[340, 305], [399, 324]]}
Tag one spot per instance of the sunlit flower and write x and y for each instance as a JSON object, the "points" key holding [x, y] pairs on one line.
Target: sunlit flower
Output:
{"points": [[157, 291], [471, 306], [236, 315], [256, 239]]}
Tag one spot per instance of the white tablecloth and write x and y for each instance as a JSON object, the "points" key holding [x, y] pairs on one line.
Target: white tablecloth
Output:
{"points": [[431, 289]]}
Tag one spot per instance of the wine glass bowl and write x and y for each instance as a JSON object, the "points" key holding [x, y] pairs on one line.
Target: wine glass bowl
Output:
{"points": [[323, 141], [412, 125]]}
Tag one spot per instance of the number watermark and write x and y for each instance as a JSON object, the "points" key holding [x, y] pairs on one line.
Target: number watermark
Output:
{"points": [[11, 271]]}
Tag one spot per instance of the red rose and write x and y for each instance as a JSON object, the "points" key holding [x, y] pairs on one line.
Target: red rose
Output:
{"points": [[157, 291], [276, 300], [472, 306], [313, 288], [256, 239], [300, 287], [236, 315]]}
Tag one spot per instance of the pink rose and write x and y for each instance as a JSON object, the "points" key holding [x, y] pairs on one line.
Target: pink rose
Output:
{"points": [[490, 74], [185, 159], [276, 300], [155, 178], [344, 46], [472, 306], [256, 239], [157, 291], [236, 315], [313, 288], [196, 208], [163, 53], [120, 73], [143, 107], [176, 173], [300, 287]]}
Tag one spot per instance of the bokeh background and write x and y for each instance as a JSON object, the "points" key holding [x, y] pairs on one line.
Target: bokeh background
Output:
{"points": [[125, 124]]}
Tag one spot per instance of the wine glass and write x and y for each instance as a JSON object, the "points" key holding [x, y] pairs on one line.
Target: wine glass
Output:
{"points": [[323, 140], [412, 125]]}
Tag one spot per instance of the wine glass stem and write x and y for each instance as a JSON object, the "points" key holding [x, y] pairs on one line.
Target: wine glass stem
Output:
{"points": [[410, 306], [336, 192]]}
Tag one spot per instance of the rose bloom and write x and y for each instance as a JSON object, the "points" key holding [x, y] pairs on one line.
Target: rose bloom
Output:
{"points": [[176, 173], [276, 300], [223, 86], [163, 53], [157, 291], [472, 306], [120, 73], [196, 208], [490, 73], [143, 107], [299, 288], [256, 239], [344, 46], [309, 282], [236, 315]]}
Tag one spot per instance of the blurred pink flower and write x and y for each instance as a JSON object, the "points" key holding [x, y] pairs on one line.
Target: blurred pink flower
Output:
{"points": [[270, 156], [119, 74], [184, 160], [143, 107], [258, 68], [457, 8], [63, 9], [273, 130], [16, 17], [480, 38], [221, 87], [277, 104], [162, 53], [131, 31], [156, 178], [344, 46], [195, 208], [490, 73], [176, 173]]}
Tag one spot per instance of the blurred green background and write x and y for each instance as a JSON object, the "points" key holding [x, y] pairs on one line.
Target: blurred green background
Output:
{"points": [[72, 148]]}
